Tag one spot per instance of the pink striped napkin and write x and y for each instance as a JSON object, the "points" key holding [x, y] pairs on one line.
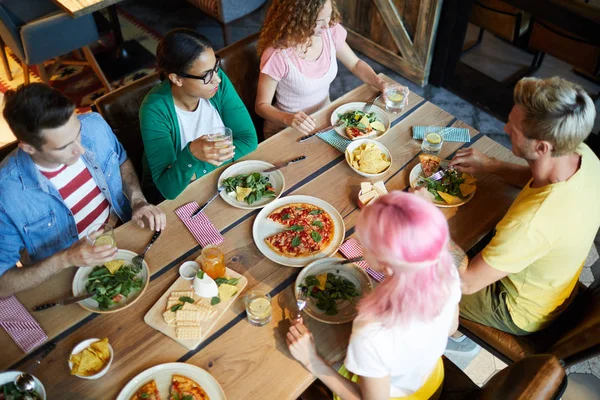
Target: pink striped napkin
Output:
{"points": [[350, 249], [20, 325], [201, 228]]}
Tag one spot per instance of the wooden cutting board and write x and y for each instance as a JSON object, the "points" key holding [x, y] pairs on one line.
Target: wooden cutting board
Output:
{"points": [[154, 317]]}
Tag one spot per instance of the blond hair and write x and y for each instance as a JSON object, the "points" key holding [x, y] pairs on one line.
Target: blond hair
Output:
{"points": [[556, 110]]}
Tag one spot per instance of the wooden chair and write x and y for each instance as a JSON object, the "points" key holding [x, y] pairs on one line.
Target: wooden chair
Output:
{"points": [[500, 18]]}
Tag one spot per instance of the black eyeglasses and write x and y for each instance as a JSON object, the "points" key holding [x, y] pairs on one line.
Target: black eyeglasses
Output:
{"points": [[207, 77]]}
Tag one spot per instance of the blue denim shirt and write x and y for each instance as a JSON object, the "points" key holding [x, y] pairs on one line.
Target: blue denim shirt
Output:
{"points": [[35, 222]]}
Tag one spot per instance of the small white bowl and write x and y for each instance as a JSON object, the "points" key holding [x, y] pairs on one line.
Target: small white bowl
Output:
{"points": [[82, 346], [188, 270], [357, 143]]}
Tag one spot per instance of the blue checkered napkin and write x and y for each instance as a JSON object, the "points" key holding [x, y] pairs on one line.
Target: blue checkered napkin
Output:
{"points": [[450, 135], [334, 139]]}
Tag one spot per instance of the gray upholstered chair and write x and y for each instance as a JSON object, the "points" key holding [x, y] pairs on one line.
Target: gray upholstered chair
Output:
{"points": [[37, 31], [226, 11]]}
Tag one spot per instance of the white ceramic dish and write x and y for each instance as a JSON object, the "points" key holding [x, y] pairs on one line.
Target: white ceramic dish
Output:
{"points": [[416, 173], [346, 310], [92, 305], [355, 144], [9, 376], [247, 167], [263, 228], [162, 375], [359, 105], [82, 346]]}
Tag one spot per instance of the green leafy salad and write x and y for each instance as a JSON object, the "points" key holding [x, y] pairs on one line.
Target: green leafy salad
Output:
{"points": [[112, 282], [329, 289], [249, 187], [356, 119], [9, 391]]}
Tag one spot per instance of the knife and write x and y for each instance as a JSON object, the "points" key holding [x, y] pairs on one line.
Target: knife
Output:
{"points": [[198, 211], [285, 164], [330, 127], [63, 302]]}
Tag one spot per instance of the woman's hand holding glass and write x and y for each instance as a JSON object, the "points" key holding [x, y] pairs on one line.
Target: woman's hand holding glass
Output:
{"points": [[214, 148]]}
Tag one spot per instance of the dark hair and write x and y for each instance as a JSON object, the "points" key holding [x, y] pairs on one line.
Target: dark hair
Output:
{"points": [[178, 50], [34, 107]]}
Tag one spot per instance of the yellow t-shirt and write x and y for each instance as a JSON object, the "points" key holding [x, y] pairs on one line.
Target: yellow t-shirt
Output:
{"points": [[543, 241]]}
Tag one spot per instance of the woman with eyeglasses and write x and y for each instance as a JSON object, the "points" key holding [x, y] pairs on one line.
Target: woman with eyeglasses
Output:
{"points": [[299, 45], [195, 99]]}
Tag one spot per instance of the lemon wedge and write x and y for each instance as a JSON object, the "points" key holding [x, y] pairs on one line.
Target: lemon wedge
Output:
{"points": [[378, 126], [242, 193], [433, 138]]}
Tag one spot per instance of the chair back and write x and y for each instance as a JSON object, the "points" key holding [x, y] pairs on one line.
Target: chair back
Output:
{"points": [[120, 109], [242, 65], [582, 340], [7, 149], [539, 377]]}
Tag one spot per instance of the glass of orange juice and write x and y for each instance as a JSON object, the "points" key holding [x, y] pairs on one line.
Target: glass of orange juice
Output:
{"points": [[212, 261]]}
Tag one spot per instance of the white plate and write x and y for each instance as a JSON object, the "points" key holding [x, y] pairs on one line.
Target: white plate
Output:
{"points": [[246, 167], [9, 376], [84, 345], [358, 106], [91, 304], [417, 171], [346, 310], [163, 374], [264, 227], [359, 142]]}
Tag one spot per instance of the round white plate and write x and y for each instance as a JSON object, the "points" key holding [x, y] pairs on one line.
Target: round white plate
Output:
{"points": [[163, 374], [264, 227], [247, 167], [84, 345], [92, 305], [359, 105], [346, 310], [417, 171], [9, 376]]}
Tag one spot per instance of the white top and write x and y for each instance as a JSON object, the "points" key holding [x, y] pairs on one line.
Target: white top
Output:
{"points": [[200, 122], [408, 354]]}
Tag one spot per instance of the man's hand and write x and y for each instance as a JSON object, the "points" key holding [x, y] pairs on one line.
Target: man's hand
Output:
{"points": [[156, 218], [472, 161], [207, 151], [83, 254]]}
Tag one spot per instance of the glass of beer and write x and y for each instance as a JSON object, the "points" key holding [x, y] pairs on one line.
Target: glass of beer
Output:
{"points": [[101, 235]]}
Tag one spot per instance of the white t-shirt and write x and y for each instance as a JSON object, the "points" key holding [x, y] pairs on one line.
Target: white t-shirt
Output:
{"points": [[201, 121], [408, 354]]}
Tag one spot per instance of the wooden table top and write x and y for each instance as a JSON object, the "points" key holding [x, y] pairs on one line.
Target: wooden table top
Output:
{"points": [[77, 8], [248, 361]]}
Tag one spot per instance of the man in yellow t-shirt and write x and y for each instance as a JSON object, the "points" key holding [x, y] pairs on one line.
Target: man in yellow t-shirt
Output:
{"points": [[524, 278]]}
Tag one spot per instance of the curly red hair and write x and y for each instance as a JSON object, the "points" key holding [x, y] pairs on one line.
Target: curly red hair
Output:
{"points": [[292, 22]]}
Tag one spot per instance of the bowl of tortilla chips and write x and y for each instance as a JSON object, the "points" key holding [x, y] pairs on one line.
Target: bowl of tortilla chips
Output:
{"points": [[91, 358], [368, 158]]}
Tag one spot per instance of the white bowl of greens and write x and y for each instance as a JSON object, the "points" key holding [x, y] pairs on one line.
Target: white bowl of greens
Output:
{"points": [[248, 187]]}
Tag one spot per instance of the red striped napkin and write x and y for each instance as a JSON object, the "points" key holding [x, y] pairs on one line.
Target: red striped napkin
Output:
{"points": [[20, 325], [201, 228], [350, 249]]}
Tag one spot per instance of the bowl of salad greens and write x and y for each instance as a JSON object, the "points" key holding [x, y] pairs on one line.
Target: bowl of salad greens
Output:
{"points": [[453, 190], [333, 289], [248, 187], [116, 284], [8, 391], [357, 124]]}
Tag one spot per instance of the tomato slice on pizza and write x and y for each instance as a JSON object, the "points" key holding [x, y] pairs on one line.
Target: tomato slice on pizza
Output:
{"points": [[147, 392]]}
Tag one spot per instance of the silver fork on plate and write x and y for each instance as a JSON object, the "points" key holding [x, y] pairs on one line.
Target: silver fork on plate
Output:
{"points": [[301, 301], [137, 260]]}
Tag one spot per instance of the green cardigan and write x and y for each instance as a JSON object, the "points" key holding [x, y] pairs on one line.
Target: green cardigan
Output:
{"points": [[168, 166]]}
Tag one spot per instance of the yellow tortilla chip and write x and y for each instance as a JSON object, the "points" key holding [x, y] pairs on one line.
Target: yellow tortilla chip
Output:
{"points": [[469, 179], [369, 159], [322, 278], [242, 193], [448, 198], [114, 265], [91, 360], [466, 189]]}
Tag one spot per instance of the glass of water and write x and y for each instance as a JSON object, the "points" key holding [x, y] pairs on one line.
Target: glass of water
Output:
{"points": [[395, 98], [258, 307], [101, 235], [432, 143]]}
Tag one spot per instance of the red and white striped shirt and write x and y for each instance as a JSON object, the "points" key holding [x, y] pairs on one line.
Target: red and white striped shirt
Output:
{"points": [[80, 193]]}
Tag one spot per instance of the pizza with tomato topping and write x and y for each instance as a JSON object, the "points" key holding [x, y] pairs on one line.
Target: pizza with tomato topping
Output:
{"points": [[184, 388], [148, 392], [430, 164], [308, 230]]}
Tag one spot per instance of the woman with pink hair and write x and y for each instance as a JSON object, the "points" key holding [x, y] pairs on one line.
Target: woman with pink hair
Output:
{"points": [[402, 327]]}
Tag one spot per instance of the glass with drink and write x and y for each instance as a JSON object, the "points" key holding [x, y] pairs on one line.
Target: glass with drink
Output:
{"points": [[432, 143], [219, 136], [258, 307], [212, 261], [395, 97], [101, 235]]}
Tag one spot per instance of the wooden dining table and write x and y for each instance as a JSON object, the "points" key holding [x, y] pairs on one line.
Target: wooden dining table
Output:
{"points": [[249, 362]]}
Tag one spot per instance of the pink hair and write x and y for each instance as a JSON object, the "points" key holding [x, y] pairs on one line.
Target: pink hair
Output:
{"points": [[408, 235]]}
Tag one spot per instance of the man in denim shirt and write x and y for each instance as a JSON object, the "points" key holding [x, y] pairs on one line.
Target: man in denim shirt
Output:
{"points": [[69, 172]]}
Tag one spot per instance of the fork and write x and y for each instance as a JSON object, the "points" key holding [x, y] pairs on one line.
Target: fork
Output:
{"points": [[438, 175], [301, 301], [137, 260], [368, 106]]}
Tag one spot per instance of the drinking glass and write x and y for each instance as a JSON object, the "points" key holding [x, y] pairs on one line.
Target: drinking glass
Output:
{"points": [[101, 235], [220, 134], [395, 97], [258, 307], [432, 143]]}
